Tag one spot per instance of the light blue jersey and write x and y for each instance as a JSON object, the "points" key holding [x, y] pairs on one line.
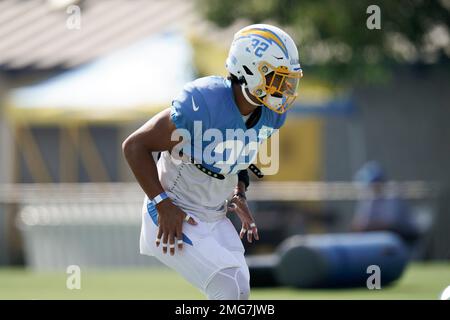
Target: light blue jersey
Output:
{"points": [[218, 136]]}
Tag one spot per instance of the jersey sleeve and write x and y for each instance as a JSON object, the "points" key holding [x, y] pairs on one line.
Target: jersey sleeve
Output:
{"points": [[189, 111], [275, 122], [279, 121]]}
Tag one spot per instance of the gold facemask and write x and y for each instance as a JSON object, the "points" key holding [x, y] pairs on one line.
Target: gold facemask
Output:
{"points": [[278, 83]]}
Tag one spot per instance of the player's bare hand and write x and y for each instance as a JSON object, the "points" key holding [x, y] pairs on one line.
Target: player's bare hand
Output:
{"points": [[170, 221], [239, 205]]}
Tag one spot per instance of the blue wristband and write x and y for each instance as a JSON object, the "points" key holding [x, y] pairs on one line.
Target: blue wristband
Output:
{"points": [[160, 197]]}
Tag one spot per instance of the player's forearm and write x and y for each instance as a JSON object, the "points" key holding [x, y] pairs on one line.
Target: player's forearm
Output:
{"points": [[240, 188], [143, 166], [243, 182]]}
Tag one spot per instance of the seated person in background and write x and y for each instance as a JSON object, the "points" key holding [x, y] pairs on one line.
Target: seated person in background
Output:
{"points": [[381, 210]]}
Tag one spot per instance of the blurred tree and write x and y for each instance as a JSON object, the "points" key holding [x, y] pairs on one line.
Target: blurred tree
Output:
{"points": [[334, 36]]}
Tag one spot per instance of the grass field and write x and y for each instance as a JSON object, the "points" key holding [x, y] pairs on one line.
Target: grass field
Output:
{"points": [[420, 281]]}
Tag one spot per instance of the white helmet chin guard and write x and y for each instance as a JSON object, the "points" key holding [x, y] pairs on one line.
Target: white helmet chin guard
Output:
{"points": [[265, 59]]}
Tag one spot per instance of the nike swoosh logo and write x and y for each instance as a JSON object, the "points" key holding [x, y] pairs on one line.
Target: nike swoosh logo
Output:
{"points": [[194, 106]]}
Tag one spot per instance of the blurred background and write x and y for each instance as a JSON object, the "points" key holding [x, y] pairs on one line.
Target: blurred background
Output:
{"points": [[366, 147]]}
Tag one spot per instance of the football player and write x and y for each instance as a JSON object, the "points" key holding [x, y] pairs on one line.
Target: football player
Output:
{"points": [[201, 169]]}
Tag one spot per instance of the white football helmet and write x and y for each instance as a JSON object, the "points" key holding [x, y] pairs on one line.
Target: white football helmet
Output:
{"points": [[265, 60]]}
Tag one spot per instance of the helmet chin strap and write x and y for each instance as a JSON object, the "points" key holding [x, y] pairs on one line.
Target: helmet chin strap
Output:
{"points": [[244, 92]]}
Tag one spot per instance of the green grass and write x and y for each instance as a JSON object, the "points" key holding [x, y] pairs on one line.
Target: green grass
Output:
{"points": [[420, 281]]}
